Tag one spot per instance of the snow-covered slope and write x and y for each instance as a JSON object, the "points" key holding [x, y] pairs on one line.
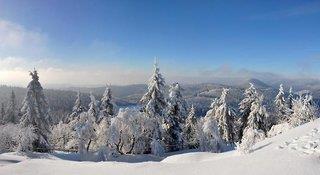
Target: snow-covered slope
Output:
{"points": [[294, 152]]}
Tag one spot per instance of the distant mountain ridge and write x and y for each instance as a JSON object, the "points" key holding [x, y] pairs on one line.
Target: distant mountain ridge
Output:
{"points": [[200, 95]]}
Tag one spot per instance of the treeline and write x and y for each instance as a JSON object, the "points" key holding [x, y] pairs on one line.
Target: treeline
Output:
{"points": [[157, 126]]}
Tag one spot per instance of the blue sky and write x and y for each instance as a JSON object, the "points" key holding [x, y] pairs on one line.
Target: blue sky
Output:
{"points": [[118, 38]]}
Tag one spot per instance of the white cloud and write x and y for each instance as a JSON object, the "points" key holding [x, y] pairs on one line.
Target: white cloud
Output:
{"points": [[16, 39], [14, 71]]}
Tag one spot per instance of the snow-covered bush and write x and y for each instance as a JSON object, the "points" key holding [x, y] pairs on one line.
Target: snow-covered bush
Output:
{"points": [[304, 110], [8, 137], [16, 138], [278, 129], [250, 137], [127, 133], [102, 133], [61, 134], [85, 132], [26, 138]]}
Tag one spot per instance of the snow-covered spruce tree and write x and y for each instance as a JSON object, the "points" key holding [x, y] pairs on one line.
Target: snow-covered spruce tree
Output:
{"points": [[3, 115], [93, 107], [225, 116], [154, 101], [290, 100], [256, 126], [107, 106], [250, 95], [208, 135], [154, 104], [177, 105], [213, 107], [304, 110], [77, 108], [190, 130], [173, 121], [35, 112], [85, 133], [12, 113], [157, 148], [281, 107], [258, 116]]}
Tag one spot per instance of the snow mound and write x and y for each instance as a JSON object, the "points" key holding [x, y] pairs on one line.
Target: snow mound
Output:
{"points": [[307, 144]]}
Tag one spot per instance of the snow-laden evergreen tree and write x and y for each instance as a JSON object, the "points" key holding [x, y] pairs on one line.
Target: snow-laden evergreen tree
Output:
{"points": [[281, 107], [107, 106], [304, 110], [250, 95], [177, 105], [157, 148], [93, 107], [190, 130], [208, 136], [213, 107], [258, 116], [35, 112], [208, 132], [173, 121], [12, 113], [225, 116], [3, 115], [154, 103], [256, 127], [290, 100], [77, 109]]}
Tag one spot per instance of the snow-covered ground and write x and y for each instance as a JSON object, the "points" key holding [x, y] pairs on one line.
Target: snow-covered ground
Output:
{"points": [[296, 151]]}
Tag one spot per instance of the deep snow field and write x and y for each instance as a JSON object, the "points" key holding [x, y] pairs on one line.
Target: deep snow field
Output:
{"points": [[294, 152]]}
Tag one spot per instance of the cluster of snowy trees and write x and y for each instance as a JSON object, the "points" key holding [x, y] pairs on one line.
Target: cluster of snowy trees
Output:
{"points": [[162, 123], [165, 122], [9, 114]]}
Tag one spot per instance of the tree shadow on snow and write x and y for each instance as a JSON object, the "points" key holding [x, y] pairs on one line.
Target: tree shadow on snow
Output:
{"points": [[260, 147]]}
